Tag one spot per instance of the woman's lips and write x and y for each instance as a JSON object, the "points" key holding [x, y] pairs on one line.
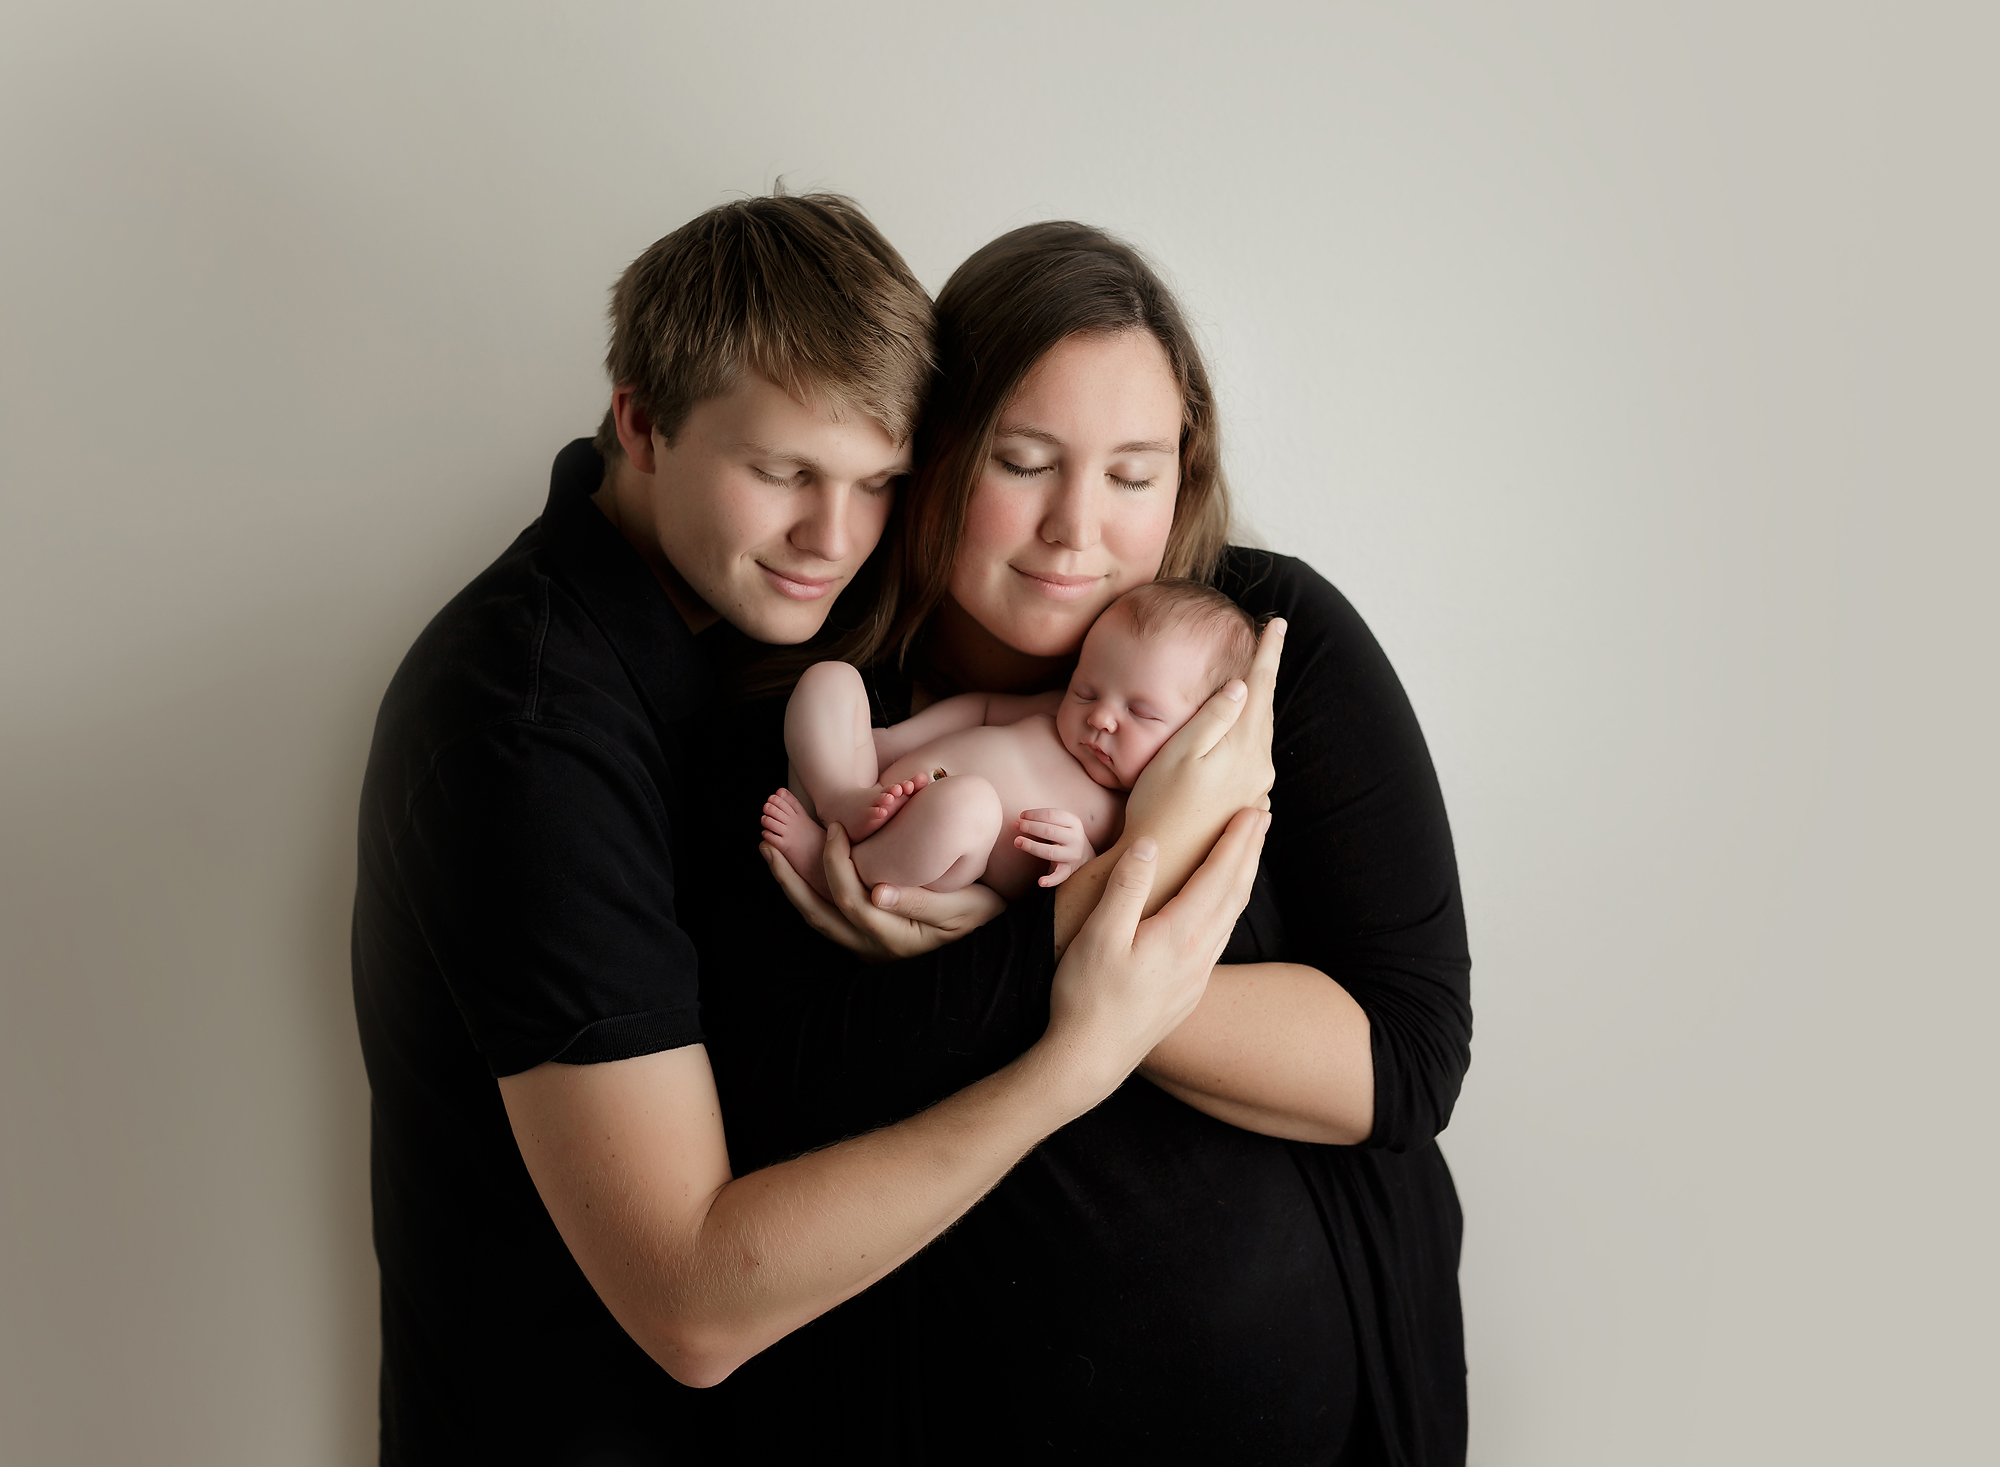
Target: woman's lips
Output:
{"points": [[1058, 588], [799, 588]]}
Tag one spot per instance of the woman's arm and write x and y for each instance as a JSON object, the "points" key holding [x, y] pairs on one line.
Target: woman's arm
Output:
{"points": [[1276, 1048], [1365, 1036]]}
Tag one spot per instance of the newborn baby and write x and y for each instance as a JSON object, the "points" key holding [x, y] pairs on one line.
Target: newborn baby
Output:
{"points": [[998, 788]]}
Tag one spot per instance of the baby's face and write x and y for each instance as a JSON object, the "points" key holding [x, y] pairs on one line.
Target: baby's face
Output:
{"points": [[1129, 696]]}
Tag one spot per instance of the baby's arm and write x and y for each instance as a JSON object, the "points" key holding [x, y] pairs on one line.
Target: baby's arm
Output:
{"points": [[954, 715], [1056, 836]]}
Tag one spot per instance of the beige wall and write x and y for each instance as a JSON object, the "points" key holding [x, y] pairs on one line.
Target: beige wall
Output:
{"points": [[1632, 367]]}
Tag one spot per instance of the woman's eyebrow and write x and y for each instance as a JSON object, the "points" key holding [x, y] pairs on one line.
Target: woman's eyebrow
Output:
{"points": [[1024, 430], [1043, 435]]}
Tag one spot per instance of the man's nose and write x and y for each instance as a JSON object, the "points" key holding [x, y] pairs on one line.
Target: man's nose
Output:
{"points": [[824, 531], [1072, 517]]}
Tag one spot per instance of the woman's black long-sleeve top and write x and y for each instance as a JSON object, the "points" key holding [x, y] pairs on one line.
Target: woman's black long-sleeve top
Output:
{"points": [[1149, 1280]]}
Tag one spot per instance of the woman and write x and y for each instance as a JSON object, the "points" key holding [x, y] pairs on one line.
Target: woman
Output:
{"points": [[1248, 1255]]}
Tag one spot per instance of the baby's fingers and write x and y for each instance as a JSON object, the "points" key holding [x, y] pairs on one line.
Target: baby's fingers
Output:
{"points": [[1045, 829], [1046, 850]]}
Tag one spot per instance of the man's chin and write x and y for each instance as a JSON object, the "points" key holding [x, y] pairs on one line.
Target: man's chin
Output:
{"points": [[785, 624]]}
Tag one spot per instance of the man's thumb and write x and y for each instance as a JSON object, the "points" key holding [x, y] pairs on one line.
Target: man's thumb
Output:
{"points": [[1124, 899]]}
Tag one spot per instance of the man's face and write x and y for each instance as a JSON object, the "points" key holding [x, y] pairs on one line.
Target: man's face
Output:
{"points": [[1128, 696], [763, 505]]}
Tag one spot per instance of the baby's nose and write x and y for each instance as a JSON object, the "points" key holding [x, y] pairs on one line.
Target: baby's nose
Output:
{"points": [[1101, 718]]}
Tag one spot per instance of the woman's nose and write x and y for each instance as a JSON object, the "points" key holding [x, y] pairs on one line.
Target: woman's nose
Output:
{"points": [[1072, 519]]}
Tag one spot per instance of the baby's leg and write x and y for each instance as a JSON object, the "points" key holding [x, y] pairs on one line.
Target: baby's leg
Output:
{"points": [[832, 749], [941, 840]]}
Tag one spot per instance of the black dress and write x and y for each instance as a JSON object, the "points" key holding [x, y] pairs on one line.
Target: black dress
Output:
{"points": [[1149, 1281]]}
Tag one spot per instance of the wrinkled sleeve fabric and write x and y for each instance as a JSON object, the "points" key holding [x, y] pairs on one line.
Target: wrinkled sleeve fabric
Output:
{"points": [[539, 873], [1360, 853]]}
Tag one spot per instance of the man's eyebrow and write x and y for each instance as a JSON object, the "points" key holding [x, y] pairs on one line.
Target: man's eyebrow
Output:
{"points": [[764, 450], [812, 465], [1042, 435]]}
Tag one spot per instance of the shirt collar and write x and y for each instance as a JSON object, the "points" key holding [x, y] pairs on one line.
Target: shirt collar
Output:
{"points": [[596, 564]]}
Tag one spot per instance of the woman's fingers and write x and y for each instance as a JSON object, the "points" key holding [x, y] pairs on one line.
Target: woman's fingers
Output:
{"points": [[820, 915], [1211, 721], [1263, 679], [916, 920], [951, 912]]}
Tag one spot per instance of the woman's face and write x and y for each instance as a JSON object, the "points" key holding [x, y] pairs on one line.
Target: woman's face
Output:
{"points": [[1075, 500]]}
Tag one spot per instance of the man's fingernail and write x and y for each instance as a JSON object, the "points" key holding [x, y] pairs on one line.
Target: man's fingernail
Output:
{"points": [[1145, 848], [1234, 691]]}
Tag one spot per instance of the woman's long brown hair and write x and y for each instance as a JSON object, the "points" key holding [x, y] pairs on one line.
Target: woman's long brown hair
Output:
{"points": [[999, 314]]}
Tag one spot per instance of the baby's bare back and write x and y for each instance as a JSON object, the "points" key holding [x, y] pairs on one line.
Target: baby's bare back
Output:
{"points": [[1028, 766]]}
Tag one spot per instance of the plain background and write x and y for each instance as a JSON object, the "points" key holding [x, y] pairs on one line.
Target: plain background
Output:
{"points": [[1632, 367]]}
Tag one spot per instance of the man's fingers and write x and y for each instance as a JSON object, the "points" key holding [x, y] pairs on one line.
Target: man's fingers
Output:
{"points": [[1124, 900], [1220, 887]]}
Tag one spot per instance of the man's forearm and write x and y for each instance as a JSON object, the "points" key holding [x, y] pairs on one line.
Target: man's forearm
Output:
{"points": [[783, 1245], [707, 1272], [1276, 1048]]}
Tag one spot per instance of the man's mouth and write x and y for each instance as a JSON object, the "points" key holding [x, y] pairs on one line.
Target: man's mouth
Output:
{"points": [[799, 587]]}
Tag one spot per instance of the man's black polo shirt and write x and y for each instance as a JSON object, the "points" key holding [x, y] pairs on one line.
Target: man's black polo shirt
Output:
{"points": [[515, 904]]}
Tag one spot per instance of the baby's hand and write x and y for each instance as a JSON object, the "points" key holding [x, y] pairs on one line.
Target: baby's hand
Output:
{"points": [[1056, 836]]}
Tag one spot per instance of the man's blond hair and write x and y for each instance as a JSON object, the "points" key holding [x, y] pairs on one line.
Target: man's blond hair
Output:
{"points": [[800, 289]]}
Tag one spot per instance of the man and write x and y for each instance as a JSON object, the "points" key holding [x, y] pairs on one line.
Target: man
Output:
{"points": [[563, 1247]]}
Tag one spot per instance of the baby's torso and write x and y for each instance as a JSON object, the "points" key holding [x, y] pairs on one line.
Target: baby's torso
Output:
{"points": [[1028, 766]]}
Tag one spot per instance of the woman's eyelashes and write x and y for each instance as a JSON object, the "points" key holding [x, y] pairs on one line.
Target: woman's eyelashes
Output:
{"points": [[1035, 471]]}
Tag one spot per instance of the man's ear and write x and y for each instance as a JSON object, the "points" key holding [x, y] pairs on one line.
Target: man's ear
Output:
{"points": [[635, 428]]}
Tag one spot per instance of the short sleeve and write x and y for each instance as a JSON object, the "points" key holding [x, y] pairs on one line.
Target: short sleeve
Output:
{"points": [[539, 871]]}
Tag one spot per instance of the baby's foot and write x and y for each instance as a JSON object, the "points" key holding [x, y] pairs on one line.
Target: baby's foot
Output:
{"points": [[873, 811], [799, 838]]}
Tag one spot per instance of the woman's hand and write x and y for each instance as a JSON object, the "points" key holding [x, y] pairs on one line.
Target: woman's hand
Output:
{"points": [[1218, 764], [889, 923], [1125, 983]]}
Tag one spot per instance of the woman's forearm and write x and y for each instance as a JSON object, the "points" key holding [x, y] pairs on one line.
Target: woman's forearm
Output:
{"points": [[1184, 842], [1276, 1048]]}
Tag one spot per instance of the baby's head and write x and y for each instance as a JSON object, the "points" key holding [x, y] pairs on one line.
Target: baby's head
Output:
{"points": [[1151, 660]]}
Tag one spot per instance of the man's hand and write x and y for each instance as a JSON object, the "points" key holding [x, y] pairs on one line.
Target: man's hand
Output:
{"points": [[888, 923], [1057, 837]]}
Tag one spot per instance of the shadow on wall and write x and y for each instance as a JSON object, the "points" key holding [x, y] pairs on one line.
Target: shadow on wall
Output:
{"points": [[184, 1108]]}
